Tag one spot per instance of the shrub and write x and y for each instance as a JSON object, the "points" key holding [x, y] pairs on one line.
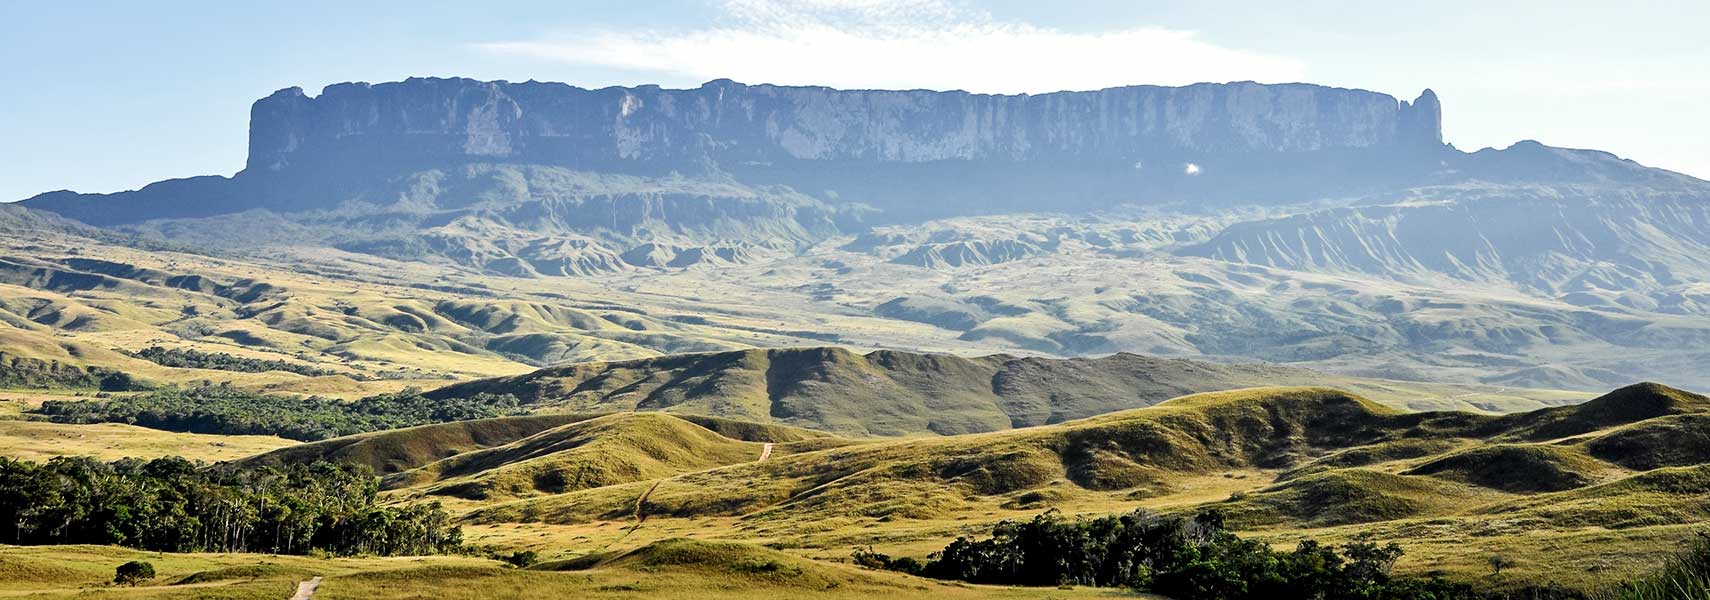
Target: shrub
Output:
{"points": [[222, 409], [133, 573], [1498, 562], [871, 559], [521, 559]]}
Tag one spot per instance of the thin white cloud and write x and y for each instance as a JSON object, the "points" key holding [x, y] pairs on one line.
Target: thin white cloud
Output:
{"points": [[904, 44]]}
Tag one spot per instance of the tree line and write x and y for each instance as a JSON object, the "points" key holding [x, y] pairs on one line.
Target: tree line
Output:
{"points": [[1184, 558], [223, 409], [174, 505], [35, 373], [185, 358]]}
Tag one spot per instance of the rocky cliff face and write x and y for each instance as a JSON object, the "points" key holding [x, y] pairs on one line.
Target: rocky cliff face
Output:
{"points": [[906, 155], [884, 156], [547, 123]]}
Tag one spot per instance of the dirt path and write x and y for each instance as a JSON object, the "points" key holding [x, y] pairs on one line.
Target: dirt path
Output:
{"points": [[640, 515], [306, 589], [640, 511], [641, 503], [1471, 394]]}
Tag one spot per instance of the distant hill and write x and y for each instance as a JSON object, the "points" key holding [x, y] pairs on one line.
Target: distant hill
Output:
{"points": [[1614, 248], [886, 392]]}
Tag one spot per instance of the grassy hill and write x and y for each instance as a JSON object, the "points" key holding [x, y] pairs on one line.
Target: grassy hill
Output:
{"points": [[1282, 462], [594, 453], [361, 324], [1580, 496], [670, 569], [890, 393]]}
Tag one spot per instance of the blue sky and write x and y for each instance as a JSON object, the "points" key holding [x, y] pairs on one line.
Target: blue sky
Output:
{"points": [[107, 96]]}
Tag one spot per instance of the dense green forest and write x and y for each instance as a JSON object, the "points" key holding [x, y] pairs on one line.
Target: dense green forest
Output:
{"points": [[185, 358], [1184, 558], [34, 373], [173, 505], [227, 410]]}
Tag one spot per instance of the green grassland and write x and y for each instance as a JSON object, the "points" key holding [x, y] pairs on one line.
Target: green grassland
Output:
{"points": [[39, 441], [1284, 463], [36, 440], [678, 568], [892, 393], [673, 505]]}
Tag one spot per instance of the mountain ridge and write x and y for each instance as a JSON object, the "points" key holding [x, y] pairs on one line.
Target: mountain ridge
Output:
{"points": [[309, 153]]}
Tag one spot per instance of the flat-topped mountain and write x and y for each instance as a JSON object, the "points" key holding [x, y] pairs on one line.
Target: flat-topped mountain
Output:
{"points": [[554, 123], [910, 154], [527, 179]]}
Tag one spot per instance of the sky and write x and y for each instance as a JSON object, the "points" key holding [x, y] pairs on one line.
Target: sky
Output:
{"points": [[109, 96]]}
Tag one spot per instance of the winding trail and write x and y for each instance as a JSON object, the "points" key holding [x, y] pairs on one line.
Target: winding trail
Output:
{"points": [[640, 517], [306, 589], [641, 503]]}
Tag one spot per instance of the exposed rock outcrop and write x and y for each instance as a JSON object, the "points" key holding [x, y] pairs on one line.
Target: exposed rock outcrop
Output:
{"points": [[550, 123]]}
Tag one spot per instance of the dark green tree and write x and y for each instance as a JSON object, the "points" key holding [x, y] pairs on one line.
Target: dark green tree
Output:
{"points": [[133, 573]]}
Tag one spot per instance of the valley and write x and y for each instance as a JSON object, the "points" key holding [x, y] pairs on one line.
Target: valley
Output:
{"points": [[1578, 496], [469, 339]]}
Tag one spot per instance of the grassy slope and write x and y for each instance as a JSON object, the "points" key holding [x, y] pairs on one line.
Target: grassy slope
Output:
{"points": [[890, 392], [40, 441], [1285, 462], [668, 569], [77, 300], [399, 450], [599, 452]]}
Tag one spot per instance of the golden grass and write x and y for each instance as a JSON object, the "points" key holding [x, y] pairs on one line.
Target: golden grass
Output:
{"points": [[39, 441], [1437, 483], [76, 571], [363, 314], [1286, 463], [677, 568]]}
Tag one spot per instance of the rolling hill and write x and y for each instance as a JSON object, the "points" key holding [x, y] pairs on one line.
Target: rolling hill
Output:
{"points": [[754, 327], [889, 393], [1282, 463]]}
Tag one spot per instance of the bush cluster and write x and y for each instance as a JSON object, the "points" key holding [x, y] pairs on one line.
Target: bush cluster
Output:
{"points": [[185, 358], [1185, 559], [34, 373], [173, 505], [226, 410]]}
